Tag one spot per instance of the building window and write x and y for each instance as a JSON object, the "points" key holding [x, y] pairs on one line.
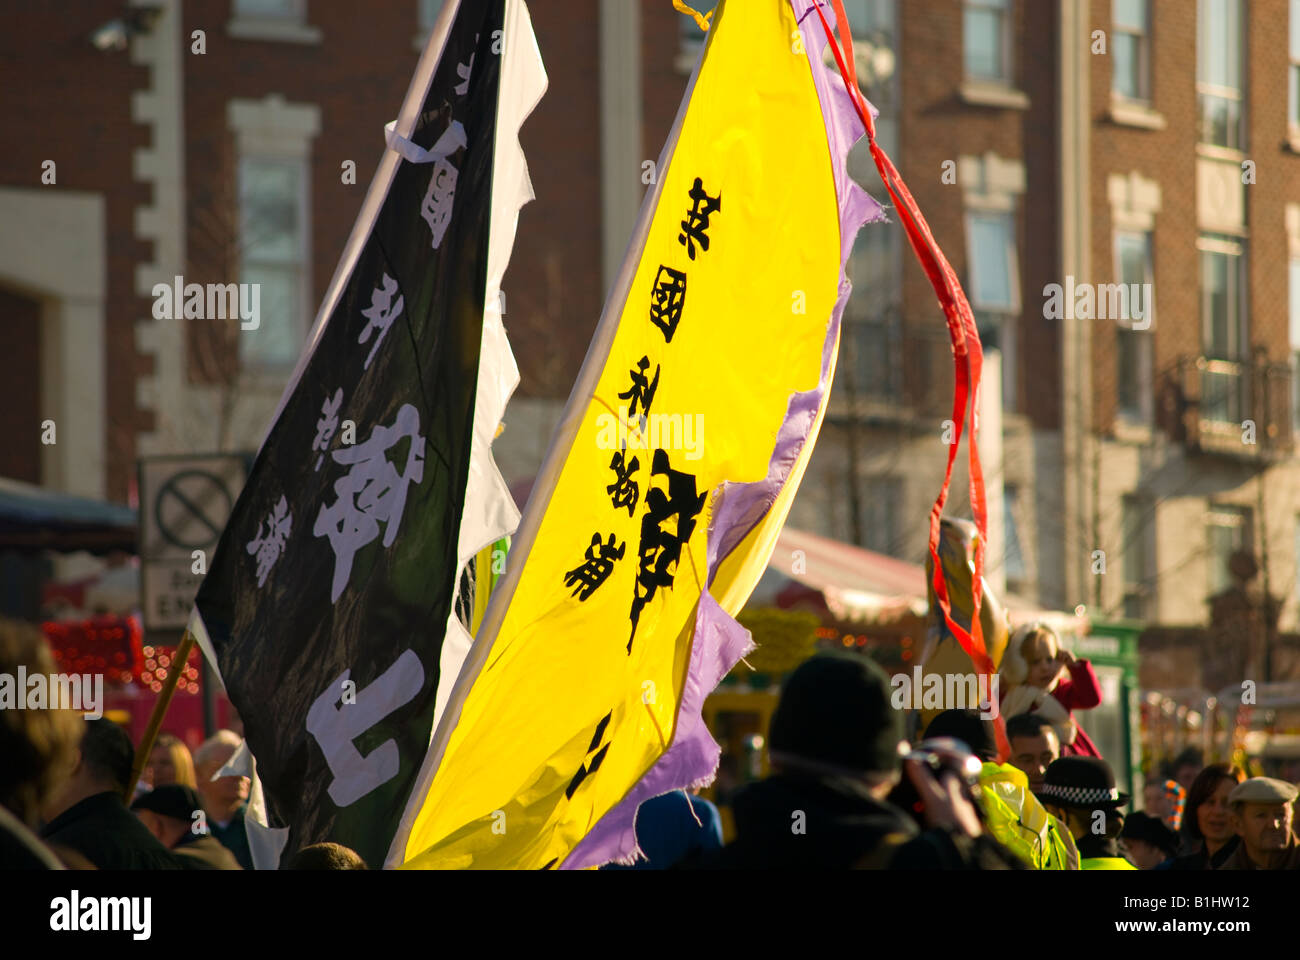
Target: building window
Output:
{"points": [[987, 40], [1229, 531], [1220, 47], [1133, 338], [1139, 557], [271, 9], [881, 513], [429, 10], [273, 255], [1223, 329], [1293, 79], [1013, 555], [1131, 49], [995, 289]]}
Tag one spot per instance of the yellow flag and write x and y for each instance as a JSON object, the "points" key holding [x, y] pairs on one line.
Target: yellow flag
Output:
{"points": [[680, 451]]}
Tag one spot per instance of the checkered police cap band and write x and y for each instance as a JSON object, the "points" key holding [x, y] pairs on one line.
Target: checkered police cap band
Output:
{"points": [[1080, 796]]}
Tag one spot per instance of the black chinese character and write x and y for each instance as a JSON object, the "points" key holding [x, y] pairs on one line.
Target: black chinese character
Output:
{"points": [[624, 491], [667, 300], [599, 565], [643, 389], [697, 221], [660, 550]]}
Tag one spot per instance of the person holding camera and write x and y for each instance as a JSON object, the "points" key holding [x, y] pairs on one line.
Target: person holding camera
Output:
{"points": [[836, 747]]}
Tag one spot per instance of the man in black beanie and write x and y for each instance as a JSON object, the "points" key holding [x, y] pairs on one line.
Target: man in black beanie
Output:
{"points": [[835, 745]]}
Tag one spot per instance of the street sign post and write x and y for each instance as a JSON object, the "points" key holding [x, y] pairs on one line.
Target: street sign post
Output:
{"points": [[184, 504]]}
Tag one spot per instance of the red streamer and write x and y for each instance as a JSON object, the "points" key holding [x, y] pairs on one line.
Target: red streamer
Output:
{"points": [[968, 357]]}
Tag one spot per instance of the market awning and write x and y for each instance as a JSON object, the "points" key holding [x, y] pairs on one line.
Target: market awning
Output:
{"points": [[32, 518], [862, 586]]}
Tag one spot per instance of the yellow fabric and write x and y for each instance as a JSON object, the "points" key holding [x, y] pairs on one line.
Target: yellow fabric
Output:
{"points": [[701, 19], [1019, 822], [1106, 863], [751, 334]]}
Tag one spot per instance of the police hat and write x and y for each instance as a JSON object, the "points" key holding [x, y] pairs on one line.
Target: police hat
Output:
{"points": [[1085, 782]]}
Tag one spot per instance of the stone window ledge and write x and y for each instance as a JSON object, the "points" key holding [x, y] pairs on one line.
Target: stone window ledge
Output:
{"points": [[280, 31], [993, 95], [1126, 113]]}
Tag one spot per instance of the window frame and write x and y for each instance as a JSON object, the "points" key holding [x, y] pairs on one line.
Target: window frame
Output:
{"points": [[1003, 316], [1005, 10], [249, 359], [1221, 516], [1208, 90], [1144, 414], [1145, 45]]}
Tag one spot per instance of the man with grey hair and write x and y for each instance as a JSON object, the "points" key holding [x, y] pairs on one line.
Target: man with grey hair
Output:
{"points": [[224, 798], [1262, 814]]}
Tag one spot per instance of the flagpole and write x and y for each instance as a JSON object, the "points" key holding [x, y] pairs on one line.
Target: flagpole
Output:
{"points": [[174, 673]]}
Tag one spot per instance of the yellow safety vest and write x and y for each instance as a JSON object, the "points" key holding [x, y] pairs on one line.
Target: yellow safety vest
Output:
{"points": [[1020, 823], [1106, 863]]}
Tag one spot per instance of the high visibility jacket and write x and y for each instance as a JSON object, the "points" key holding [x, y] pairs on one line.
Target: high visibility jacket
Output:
{"points": [[1106, 863], [1019, 822]]}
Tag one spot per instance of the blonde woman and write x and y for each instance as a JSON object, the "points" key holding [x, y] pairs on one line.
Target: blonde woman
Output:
{"points": [[1040, 676], [169, 762]]}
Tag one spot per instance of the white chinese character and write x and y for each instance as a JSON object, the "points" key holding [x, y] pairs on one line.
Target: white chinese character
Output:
{"points": [[327, 424], [465, 71], [270, 545], [439, 200], [381, 314], [372, 492]]}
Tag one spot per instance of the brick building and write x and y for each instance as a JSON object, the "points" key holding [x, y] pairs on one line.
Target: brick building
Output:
{"points": [[1094, 142], [1042, 152]]}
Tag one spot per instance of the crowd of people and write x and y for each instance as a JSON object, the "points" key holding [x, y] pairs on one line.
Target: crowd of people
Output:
{"points": [[846, 790]]}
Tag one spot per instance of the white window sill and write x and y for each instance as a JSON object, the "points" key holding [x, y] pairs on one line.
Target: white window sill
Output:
{"points": [[983, 94], [1215, 152], [280, 31], [1128, 113]]}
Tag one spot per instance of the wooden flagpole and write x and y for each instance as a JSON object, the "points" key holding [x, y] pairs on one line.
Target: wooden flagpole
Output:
{"points": [[174, 672]]}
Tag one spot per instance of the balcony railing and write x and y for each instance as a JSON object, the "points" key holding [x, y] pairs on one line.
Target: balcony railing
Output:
{"points": [[1237, 408]]}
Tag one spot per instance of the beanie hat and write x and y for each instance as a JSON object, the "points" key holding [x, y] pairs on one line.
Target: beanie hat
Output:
{"points": [[968, 727], [835, 710], [1152, 830]]}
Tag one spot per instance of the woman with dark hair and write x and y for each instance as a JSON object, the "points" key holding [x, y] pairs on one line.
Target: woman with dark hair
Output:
{"points": [[1207, 832]]}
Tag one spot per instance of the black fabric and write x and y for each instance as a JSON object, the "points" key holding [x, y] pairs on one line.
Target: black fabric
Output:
{"points": [[1093, 847], [290, 620], [835, 709], [842, 828], [20, 849], [1199, 860], [204, 852], [106, 833]]}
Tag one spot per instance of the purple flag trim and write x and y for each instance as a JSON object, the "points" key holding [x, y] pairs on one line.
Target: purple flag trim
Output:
{"points": [[719, 640]]}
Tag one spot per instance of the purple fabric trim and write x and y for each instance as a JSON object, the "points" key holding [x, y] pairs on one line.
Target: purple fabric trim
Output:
{"points": [[719, 641]]}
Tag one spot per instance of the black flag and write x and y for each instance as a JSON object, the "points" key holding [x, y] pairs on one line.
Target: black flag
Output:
{"points": [[330, 590]]}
